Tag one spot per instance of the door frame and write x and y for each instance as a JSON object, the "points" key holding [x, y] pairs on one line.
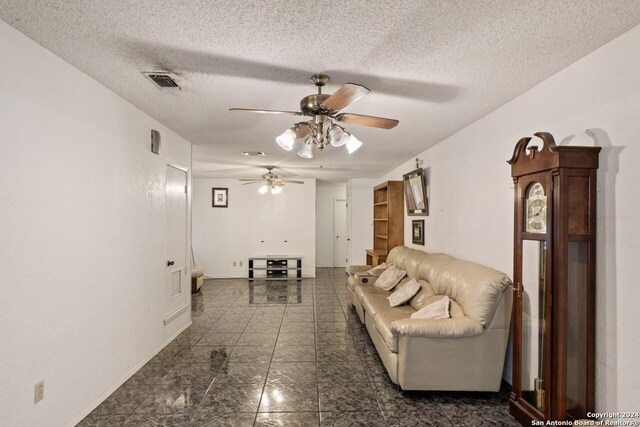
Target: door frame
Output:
{"points": [[333, 246], [169, 317]]}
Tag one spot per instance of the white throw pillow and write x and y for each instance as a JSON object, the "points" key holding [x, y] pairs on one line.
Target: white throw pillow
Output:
{"points": [[437, 310], [404, 293], [389, 278], [378, 269]]}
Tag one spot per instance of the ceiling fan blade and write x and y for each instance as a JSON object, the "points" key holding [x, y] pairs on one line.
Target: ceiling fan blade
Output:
{"points": [[302, 129], [253, 110], [344, 96], [252, 182], [359, 119], [249, 179], [291, 181]]}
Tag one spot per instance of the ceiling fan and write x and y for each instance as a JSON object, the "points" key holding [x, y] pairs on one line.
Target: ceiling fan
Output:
{"points": [[323, 128], [270, 181]]}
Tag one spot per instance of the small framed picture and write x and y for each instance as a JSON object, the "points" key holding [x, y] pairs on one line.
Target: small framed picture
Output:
{"points": [[417, 231], [220, 197]]}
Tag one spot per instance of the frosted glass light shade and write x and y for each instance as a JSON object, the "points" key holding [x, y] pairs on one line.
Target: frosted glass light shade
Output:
{"points": [[353, 144], [337, 136], [287, 139], [263, 189], [306, 151], [276, 190]]}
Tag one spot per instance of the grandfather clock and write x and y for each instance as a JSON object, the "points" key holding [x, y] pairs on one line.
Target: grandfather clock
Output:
{"points": [[554, 276]]}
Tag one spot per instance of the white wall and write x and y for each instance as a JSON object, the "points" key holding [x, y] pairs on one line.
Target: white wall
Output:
{"points": [[360, 217], [254, 224], [471, 196], [83, 236], [325, 194]]}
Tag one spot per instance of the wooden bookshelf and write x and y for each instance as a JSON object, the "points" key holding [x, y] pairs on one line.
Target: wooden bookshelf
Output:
{"points": [[388, 223]]}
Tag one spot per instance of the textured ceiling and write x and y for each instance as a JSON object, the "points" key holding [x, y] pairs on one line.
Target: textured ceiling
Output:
{"points": [[434, 65]]}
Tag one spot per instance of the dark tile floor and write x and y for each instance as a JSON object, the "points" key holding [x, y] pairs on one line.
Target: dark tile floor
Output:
{"points": [[281, 354]]}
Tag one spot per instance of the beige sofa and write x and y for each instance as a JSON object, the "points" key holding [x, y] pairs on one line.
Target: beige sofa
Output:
{"points": [[464, 352]]}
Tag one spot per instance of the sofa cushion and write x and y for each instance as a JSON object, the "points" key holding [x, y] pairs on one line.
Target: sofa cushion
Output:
{"points": [[434, 311], [390, 278], [372, 302], [362, 290], [398, 255], [404, 293], [384, 318], [432, 265], [412, 262], [476, 288], [426, 291]]}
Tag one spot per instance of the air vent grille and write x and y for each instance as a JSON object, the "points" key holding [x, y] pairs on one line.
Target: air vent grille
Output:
{"points": [[176, 283], [162, 80]]}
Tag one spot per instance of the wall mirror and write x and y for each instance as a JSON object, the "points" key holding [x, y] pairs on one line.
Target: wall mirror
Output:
{"points": [[415, 191]]}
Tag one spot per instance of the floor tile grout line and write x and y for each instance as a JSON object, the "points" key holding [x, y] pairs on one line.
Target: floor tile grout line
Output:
{"points": [[264, 385]]}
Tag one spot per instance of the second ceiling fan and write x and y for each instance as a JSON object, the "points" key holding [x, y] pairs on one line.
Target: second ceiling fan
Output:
{"points": [[270, 181], [323, 128]]}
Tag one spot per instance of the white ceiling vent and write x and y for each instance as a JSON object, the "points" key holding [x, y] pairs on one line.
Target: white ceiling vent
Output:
{"points": [[162, 80]]}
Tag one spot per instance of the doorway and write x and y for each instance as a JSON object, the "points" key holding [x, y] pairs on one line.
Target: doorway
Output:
{"points": [[339, 232], [176, 265]]}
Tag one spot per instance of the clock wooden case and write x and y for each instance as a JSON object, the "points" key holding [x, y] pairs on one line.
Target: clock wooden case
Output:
{"points": [[554, 276]]}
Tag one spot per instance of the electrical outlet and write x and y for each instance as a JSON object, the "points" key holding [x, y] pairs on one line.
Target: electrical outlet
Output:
{"points": [[234, 263], [240, 263], [38, 393]]}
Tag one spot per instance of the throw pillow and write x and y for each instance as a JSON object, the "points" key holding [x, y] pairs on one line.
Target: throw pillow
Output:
{"points": [[378, 269], [437, 310], [389, 278], [404, 294]]}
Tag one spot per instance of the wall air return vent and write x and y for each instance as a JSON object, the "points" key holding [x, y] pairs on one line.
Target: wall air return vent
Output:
{"points": [[176, 283], [162, 80]]}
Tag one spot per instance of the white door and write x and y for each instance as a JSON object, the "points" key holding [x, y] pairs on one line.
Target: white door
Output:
{"points": [[176, 265], [339, 232]]}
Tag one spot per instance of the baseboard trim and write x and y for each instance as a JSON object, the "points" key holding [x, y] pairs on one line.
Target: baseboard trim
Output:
{"points": [[124, 379], [173, 316]]}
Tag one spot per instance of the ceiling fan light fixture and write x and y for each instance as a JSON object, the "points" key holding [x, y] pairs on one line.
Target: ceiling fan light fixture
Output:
{"points": [[287, 139], [263, 189], [353, 144], [306, 151], [324, 110], [276, 189], [337, 136]]}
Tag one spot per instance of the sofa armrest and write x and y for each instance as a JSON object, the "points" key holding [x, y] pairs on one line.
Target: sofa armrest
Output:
{"points": [[353, 269], [364, 278], [458, 327]]}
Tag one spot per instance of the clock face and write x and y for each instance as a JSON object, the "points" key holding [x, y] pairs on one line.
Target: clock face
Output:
{"points": [[536, 209]]}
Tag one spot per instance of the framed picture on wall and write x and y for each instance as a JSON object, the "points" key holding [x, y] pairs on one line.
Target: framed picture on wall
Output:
{"points": [[415, 193], [220, 197], [417, 232]]}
